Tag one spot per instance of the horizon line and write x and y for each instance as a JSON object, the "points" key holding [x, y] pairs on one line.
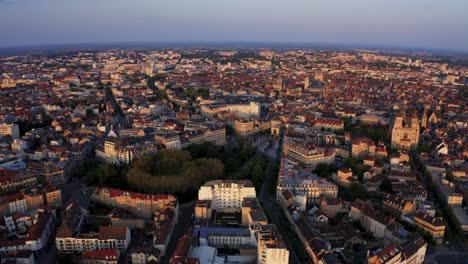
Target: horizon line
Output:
{"points": [[230, 44]]}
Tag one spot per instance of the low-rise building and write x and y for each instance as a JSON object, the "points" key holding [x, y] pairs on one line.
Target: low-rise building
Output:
{"points": [[144, 255]]}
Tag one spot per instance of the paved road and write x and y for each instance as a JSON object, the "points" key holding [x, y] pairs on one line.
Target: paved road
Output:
{"points": [[76, 191], [73, 190], [454, 243], [267, 198], [443, 254], [186, 211]]}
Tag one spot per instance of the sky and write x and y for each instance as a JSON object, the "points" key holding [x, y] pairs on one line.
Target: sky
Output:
{"points": [[441, 24]]}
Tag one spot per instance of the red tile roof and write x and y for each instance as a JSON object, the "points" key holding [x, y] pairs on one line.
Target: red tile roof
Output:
{"points": [[107, 254], [112, 232]]}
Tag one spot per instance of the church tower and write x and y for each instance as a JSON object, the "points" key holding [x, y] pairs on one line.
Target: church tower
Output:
{"points": [[405, 131], [424, 117], [278, 85], [319, 76], [306, 82]]}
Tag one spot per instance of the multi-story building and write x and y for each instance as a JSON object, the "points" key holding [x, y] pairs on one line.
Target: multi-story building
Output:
{"points": [[108, 237], [13, 203], [242, 223], [361, 147], [53, 196], [405, 132], [412, 252], [13, 180], [49, 172], [226, 194], [374, 221], [271, 249], [344, 176], [307, 154], [434, 225], [144, 255], [299, 181], [246, 127], [9, 130], [106, 256], [162, 208], [143, 205], [36, 238], [171, 141], [451, 196], [245, 110], [397, 205], [124, 150], [325, 123], [215, 134]]}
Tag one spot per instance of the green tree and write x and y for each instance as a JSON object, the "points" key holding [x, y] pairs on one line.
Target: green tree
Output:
{"points": [[449, 176], [386, 185], [258, 175], [325, 170], [357, 191]]}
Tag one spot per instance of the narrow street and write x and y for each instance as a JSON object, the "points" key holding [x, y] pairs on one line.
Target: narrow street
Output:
{"points": [[454, 246], [186, 211], [267, 198]]}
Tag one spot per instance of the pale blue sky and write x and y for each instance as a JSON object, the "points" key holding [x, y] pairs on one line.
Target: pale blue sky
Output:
{"points": [[415, 23]]}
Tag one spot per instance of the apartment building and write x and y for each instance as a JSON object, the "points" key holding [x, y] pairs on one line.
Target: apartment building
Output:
{"points": [[107, 256], [170, 141], [244, 110], [144, 255], [48, 172], [412, 252], [300, 181], [143, 205], [246, 127], [215, 134], [13, 180], [308, 155], [226, 194], [124, 150], [325, 123], [36, 238], [397, 205], [361, 147], [108, 237], [434, 225], [9, 130], [271, 249]]}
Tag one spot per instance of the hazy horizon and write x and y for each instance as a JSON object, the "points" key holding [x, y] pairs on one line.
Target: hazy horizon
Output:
{"points": [[420, 24]]}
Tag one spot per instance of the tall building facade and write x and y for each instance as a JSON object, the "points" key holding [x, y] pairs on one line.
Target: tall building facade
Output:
{"points": [[271, 249], [123, 151], [226, 194], [405, 132]]}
